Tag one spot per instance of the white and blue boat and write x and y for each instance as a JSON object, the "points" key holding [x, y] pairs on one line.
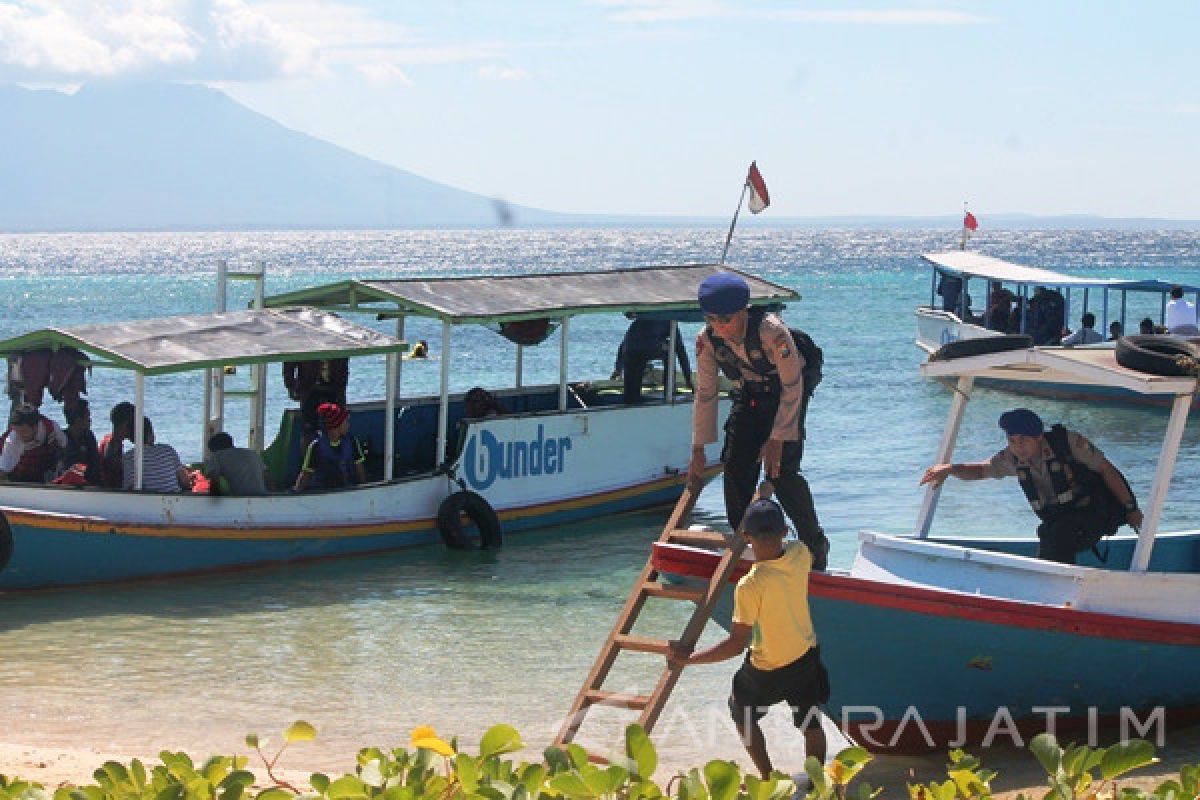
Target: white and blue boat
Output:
{"points": [[947, 642], [558, 456], [960, 279]]}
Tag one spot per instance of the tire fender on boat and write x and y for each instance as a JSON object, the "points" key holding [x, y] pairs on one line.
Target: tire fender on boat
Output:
{"points": [[982, 346], [1157, 354], [6, 541], [478, 510]]}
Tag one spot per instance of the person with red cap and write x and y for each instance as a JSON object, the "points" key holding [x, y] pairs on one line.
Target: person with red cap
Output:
{"points": [[333, 459], [765, 428], [1077, 493]]}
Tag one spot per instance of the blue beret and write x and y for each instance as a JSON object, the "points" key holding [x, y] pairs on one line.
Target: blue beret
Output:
{"points": [[1021, 422], [723, 293], [764, 518]]}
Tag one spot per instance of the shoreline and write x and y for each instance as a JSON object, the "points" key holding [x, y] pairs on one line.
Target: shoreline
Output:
{"points": [[1018, 770]]}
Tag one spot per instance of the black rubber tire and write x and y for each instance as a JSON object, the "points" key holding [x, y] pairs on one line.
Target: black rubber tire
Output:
{"points": [[1157, 354], [982, 346], [6, 541], [479, 511]]}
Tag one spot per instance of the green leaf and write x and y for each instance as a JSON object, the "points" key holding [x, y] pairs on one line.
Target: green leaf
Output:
{"points": [[556, 759], [723, 779], [570, 784], [468, 772], [347, 786], [1046, 750], [500, 739], [815, 771], [371, 774], [532, 778], [1126, 756], [251, 740], [299, 731], [274, 793], [579, 756], [319, 782], [641, 750]]}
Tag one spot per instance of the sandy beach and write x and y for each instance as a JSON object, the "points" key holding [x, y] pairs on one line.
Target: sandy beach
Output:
{"points": [[1019, 771]]}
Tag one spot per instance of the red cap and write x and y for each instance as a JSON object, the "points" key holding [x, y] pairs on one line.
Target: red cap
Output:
{"points": [[332, 414]]}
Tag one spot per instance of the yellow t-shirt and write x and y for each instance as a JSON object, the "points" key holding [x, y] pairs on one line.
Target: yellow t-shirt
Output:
{"points": [[773, 597]]}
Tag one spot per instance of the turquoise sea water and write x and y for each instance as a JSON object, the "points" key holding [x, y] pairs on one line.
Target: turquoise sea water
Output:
{"points": [[366, 649]]}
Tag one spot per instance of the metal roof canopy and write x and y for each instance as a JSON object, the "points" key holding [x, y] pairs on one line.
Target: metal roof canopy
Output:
{"points": [[186, 343], [1078, 365], [506, 298], [976, 265]]}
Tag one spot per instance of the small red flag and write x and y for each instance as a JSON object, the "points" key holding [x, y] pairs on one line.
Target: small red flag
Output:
{"points": [[970, 223], [759, 199]]}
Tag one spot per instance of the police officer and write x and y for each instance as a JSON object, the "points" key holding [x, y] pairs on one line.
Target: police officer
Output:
{"points": [[1076, 492], [765, 426]]}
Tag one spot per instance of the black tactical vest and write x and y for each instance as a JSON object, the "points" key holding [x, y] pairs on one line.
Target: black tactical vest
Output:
{"points": [[756, 374], [1072, 488]]}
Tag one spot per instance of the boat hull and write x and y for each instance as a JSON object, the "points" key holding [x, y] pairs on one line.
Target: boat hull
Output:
{"points": [[915, 668], [67, 536]]}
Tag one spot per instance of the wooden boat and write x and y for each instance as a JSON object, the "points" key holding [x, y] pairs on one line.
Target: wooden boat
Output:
{"points": [[551, 460], [951, 318], [934, 643]]}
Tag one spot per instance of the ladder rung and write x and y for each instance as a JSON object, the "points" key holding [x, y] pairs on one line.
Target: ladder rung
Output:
{"points": [[673, 591], [710, 539], [599, 697], [641, 644]]}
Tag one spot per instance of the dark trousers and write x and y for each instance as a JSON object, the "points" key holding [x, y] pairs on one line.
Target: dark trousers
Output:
{"points": [[746, 431], [1070, 532], [634, 374]]}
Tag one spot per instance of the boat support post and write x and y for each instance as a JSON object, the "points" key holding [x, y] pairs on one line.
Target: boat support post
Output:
{"points": [[139, 431], [444, 400], [562, 363], [1162, 482], [399, 362], [520, 377], [391, 367], [669, 364], [958, 407]]}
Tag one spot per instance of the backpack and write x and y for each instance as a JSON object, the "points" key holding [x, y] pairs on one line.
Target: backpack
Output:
{"points": [[814, 360]]}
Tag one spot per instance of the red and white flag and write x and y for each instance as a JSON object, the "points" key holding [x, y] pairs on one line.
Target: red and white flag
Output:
{"points": [[969, 222], [759, 199]]}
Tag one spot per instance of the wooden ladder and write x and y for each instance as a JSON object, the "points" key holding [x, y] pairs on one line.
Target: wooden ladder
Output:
{"points": [[648, 585]]}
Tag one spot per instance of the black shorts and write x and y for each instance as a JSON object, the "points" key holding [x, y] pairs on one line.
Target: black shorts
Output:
{"points": [[804, 684]]}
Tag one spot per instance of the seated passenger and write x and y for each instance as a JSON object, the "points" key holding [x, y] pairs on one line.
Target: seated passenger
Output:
{"points": [[1086, 334], [162, 471], [1146, 326], [29, 448], [234, 471], [420, 349], [81, 456], [479, 403], [334, 459], [1115, 331], [112, 446]]}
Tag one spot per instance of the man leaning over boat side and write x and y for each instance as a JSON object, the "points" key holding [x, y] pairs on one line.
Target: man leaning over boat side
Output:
{"points": [[1076, 492], [756, 352]]}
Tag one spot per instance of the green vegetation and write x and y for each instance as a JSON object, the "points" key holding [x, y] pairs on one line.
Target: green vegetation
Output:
{"points": [[436, 769]]}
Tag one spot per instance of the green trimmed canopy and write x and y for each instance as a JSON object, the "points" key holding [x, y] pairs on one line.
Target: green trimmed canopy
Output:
{"points": [[509, 298], [185, 343]]}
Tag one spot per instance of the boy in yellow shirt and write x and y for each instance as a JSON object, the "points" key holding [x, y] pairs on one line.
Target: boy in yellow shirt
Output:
{"points": [[770, 614]]}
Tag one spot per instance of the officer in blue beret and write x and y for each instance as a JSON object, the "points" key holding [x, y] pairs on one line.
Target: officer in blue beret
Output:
{"points": [[756, 352]]}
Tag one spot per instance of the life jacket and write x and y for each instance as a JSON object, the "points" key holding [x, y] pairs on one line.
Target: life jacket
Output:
{"points": [[335, 466], [757, 363], [112, 470], [35, 461], [1075, 486]]}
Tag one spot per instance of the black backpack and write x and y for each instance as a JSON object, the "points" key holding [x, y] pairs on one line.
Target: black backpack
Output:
{"points": [[814, 360]]}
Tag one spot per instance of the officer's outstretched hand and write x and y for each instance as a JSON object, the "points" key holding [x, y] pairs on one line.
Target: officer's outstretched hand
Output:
{"points": [[772, 454], [695, 473], [1134, 518], [936, 475]]}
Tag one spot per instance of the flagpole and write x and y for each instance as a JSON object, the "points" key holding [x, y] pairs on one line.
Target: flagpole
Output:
{"points": [[733, 223], [963, 246]]}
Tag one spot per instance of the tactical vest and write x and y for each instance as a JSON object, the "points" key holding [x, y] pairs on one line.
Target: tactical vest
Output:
{"points": [[335, 465], [35, 461], [757, 363], [1074, 485]]}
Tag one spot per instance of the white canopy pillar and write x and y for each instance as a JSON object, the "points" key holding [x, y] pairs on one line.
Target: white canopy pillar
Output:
{"points": [[444, 402], [520, 379], [958, 407], [139, 430], [669, 365], [258, 378], [392, 366], [399, 362], [562, 363], [1162, 482]]}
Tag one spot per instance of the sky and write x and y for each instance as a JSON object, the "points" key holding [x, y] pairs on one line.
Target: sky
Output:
{"points": [[658, 106]]}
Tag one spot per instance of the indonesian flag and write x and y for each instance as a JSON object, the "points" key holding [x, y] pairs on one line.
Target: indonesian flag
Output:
{"points": [[759, 199], [969, 222]]}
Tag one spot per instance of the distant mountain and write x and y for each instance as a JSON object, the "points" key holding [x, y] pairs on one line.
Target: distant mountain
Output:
{"points": [[155, 157]]}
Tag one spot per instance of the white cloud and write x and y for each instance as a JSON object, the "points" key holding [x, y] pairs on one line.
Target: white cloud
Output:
{"points": [[664, 10], [384, 73], [897, 16], [197, 39], [653, 11], [493, 72]]}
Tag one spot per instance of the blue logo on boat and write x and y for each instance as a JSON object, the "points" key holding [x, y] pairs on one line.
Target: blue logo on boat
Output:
{"points": [[488, 458]]}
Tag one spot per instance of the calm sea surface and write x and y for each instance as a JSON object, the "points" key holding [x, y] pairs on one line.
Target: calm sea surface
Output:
{"points": [[367, 649]]}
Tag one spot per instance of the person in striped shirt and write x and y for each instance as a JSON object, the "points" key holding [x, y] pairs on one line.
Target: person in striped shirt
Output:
{"points": [[162, 471]]}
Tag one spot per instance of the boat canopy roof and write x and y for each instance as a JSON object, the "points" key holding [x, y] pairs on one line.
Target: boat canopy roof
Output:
{"points": [[184, 343], [1094, 366], [976, 265], [507, 298]]}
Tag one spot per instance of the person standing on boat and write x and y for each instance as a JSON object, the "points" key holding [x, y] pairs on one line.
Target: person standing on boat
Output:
{"points": [[646, 340], [311, 383], [1076, 492], [30, 446], [1087, 334], [334, 459], [771, 616], [765, 428], [1181, 314]]}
